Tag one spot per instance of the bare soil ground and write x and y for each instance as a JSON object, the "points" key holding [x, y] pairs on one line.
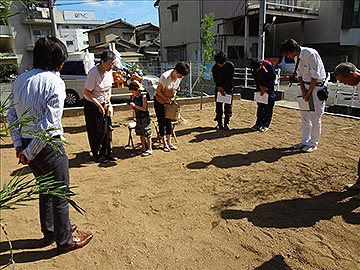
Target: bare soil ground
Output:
{"points": [[225, 200]]}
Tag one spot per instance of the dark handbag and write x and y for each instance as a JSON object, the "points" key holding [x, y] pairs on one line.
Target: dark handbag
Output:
{"points": [[323, 94], [172, 110]]}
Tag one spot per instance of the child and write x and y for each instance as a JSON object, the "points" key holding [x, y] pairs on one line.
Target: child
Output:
{"points": [[143, 127]]}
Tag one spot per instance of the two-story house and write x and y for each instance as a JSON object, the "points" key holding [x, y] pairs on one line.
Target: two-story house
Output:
{"points": [[119, 31], [148, 38], [131, 41], [332, 27]]}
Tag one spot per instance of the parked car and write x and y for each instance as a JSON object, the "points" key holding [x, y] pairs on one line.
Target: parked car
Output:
{"points": [[73, 73], [287, 65]]}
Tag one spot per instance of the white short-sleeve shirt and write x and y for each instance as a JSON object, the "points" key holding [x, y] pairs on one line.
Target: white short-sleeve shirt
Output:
{"points": [[99, 84]]}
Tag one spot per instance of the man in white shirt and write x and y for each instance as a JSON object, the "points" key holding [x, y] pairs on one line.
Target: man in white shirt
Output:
{"points": [[311, 74], [347, 73]]}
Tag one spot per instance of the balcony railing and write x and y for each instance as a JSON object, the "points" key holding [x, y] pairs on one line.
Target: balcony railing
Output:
{"points": [[5, 31], [302, 6], [37, 11]]}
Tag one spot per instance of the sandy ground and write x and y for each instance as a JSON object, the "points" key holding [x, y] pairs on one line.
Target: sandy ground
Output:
{"points": [[225, 200]]}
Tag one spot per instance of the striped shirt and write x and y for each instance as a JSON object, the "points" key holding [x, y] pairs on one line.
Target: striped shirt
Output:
{"points": [[44, 92]]}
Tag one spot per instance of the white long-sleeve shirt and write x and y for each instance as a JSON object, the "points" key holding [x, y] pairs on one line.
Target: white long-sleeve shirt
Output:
{"points": [[310, 65], [44, 92]]}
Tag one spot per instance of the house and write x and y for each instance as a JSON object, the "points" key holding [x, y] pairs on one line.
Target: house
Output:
{"points": [[74, 28], [119, 31], [131, 41], [148, 38], [21, 31], [332, 27]]}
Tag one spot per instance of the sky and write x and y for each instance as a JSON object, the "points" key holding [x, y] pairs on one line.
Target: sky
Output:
{"points": [[134, 12]]}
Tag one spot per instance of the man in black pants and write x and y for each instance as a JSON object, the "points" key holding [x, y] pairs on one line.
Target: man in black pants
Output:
{"points": [[42, 90], [223, 73]]}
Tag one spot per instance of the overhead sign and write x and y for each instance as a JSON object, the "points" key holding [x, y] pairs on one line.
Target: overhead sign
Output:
{"points": [[79, 15]]}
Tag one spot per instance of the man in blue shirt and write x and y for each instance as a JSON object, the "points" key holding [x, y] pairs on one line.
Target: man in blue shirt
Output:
{"points": [[264, 75], [42, 90]]}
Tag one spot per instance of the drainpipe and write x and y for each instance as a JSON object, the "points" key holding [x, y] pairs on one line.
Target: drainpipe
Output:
{"points": [[52, 17], [261, 40]]}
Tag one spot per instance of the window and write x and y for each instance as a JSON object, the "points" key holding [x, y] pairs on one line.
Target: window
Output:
{"points": [[85, 27], [235, 52], [69, 42], [97, 38], [40, 33], [86, 42], [351, 14], [67, 27], [149, 36], [176, 54], [174, 12]]}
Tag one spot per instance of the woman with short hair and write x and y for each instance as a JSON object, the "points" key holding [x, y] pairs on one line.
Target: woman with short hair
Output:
{"points": [[97, 96], [168, 85]]}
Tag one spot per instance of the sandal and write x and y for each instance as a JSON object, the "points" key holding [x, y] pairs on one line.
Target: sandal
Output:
{"points": [[146, 153], [172, 147], [166, 149]]}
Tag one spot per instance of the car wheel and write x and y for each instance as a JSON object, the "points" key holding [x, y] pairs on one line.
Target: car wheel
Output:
{"points": [[72, 98]]}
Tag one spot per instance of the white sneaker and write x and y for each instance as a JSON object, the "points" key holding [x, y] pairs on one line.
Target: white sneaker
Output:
{"points": [[298, 146], [309, 148], [263, 129], [352, 187]]}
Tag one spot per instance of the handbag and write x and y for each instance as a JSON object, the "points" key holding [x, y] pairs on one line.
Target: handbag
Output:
{"points": [[172, 110], [323, 94]]}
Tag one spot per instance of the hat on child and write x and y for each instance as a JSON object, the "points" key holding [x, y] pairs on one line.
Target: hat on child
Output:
{"points": [[135, 85]]}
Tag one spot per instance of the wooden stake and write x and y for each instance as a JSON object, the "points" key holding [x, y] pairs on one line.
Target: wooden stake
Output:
{"points": [[201, 96]]}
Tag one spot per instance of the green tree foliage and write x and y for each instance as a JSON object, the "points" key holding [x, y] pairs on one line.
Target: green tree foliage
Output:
{"points": [[207, 36], [5, 12]]}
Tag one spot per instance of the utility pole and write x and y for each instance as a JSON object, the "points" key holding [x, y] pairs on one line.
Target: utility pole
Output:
{"points": [[262, 19], [52, 17]]}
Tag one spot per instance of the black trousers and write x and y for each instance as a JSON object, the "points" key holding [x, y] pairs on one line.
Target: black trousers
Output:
{"points": [[54, 212], [227, 111], [264, 113], [162, 121], [99, 143]]}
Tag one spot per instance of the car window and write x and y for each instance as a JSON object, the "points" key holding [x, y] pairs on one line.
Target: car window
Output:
{"points": [[73, 68], [289, 60]]}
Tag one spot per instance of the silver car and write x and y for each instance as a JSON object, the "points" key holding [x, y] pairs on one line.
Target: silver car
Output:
{"points": [[73, 73], [287, 65]]}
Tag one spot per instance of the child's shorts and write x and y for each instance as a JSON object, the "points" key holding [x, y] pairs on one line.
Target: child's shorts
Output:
{"points": [[143, 127]]}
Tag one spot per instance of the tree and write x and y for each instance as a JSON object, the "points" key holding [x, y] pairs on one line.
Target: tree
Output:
{"points": [[207, 36], [206, 40]]}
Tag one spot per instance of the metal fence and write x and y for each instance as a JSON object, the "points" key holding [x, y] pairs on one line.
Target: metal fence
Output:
{"points": [[195, 82]]}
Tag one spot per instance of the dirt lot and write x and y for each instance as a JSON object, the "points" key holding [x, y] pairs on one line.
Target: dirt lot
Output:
{"points": [[225, 200]]}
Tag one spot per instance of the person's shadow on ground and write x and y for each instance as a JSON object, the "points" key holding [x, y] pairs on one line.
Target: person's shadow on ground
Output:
{"points": [[276, 263], [26, 255], [300, 212], [236, 160], [183, 132], [218, 134], [74, 130]]}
